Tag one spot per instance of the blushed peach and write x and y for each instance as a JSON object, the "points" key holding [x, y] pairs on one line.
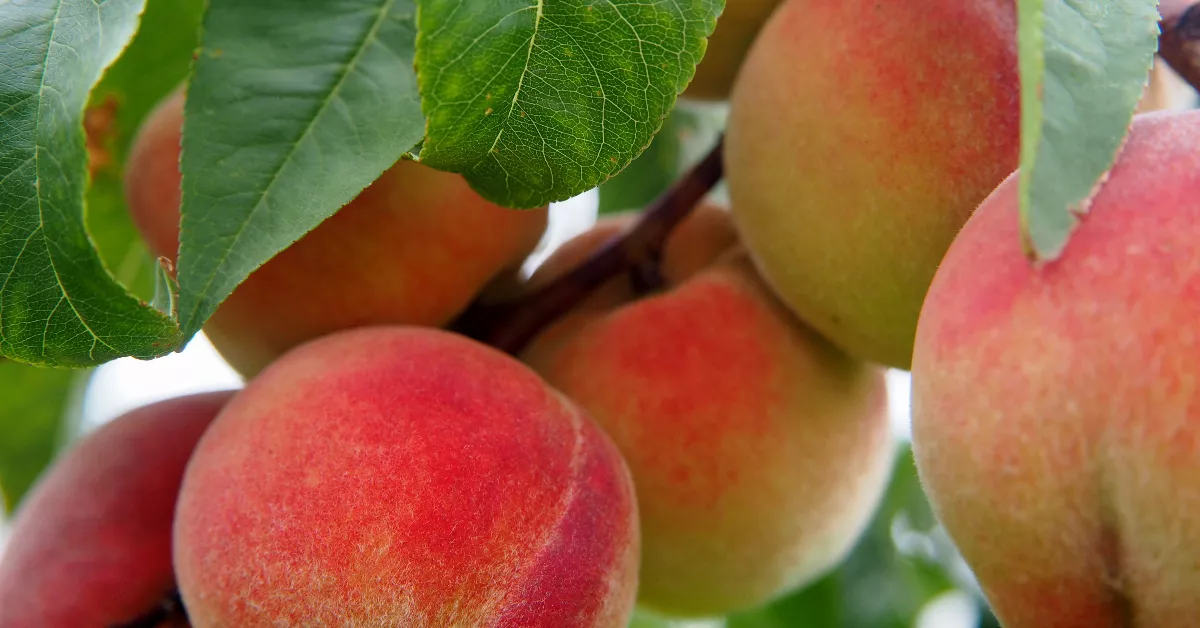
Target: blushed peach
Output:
{"points": [[1056, 413], [402, 476], [91, 545], [759, 450]]}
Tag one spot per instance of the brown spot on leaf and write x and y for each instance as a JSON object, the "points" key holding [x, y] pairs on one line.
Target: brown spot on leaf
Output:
{"points": [[99, 127]]}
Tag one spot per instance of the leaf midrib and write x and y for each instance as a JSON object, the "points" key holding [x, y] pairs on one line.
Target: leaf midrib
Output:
{"points": [[537, 24]]}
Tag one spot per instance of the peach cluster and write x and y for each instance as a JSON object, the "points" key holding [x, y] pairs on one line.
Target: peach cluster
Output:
{"points": [[699, 441], [705, 433]]}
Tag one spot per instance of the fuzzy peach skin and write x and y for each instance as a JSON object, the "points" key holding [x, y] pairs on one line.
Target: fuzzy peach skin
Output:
{"points": [[1056, 410], [401, 476], [727, 47], [759, 451], [861, 136], [415, 247], [91, 545]]}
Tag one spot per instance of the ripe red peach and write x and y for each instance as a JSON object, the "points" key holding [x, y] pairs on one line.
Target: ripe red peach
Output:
{"points": [[414, 247], [1056, 408], [91, 544], [403, 476], [759, 450]]}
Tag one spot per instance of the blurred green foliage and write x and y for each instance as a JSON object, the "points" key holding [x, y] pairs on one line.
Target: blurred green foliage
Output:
{"points": [[36, 406]]}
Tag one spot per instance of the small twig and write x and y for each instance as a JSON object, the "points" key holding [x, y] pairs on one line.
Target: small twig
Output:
{"points": [[1179, 44], [169, 612], [511, 325]]}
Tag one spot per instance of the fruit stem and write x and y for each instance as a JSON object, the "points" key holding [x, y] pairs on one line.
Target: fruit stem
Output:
{"points": [[1179, 44], [510, 325], [168, 612]]}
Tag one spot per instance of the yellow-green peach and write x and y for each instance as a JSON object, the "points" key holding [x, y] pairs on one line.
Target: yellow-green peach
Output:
{"points": [[861, 136]]}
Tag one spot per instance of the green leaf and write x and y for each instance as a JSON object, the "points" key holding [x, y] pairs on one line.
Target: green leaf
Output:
{"points": [[295, 107], [33, 405], [686, 137], [649, 175], [58, 303], [538, 100], [1083, 67], [156, 61], [878, 585]]}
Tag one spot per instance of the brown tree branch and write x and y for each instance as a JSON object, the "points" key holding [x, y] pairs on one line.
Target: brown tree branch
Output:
{"points": [[1179, 44], [509, 326]]}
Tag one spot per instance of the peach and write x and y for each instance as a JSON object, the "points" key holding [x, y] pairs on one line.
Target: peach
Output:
{"points": [[727, 46], [91, 545], [414, 247], [1056, 411], [759, 451], [862, 134], [402, 476]]}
